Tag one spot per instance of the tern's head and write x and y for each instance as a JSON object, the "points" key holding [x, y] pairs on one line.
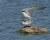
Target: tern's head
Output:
{"points": [[23, 11], [23, 21]]}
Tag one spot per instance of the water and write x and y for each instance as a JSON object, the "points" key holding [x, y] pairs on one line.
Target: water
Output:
{"points": [[10, 19]]}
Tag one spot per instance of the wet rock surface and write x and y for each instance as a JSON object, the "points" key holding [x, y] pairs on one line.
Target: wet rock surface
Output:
{"points": [[34, 30]]}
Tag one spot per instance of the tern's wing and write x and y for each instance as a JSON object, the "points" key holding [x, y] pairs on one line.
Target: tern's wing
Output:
{"points": [[29, 20], [33, 9], [36, 9]]}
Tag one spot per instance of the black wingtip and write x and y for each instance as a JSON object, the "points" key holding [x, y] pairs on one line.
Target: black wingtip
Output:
{"points": [[45, 7], [41, 7]]}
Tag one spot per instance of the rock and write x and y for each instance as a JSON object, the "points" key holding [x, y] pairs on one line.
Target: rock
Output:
{"points": [[34, 29], [27, 29], [43, 30]]}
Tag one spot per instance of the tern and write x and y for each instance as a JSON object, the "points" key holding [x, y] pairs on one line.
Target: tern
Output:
{"points": [[27, 13]]}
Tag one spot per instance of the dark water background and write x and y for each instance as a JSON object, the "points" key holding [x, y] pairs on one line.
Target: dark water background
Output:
{"points": [[10, 19]]}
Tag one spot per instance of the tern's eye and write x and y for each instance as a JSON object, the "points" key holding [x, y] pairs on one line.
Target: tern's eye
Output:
{"points": [[23, 11]]}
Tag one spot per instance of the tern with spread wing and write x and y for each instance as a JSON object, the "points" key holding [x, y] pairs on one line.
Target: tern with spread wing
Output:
{"points": [[27, 12]]}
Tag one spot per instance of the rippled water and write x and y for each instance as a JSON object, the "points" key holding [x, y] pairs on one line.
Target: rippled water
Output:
{"points": [[10, 19]]}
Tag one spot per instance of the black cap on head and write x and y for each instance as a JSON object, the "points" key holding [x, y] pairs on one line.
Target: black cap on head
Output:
{"points": [[23, 20]]}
